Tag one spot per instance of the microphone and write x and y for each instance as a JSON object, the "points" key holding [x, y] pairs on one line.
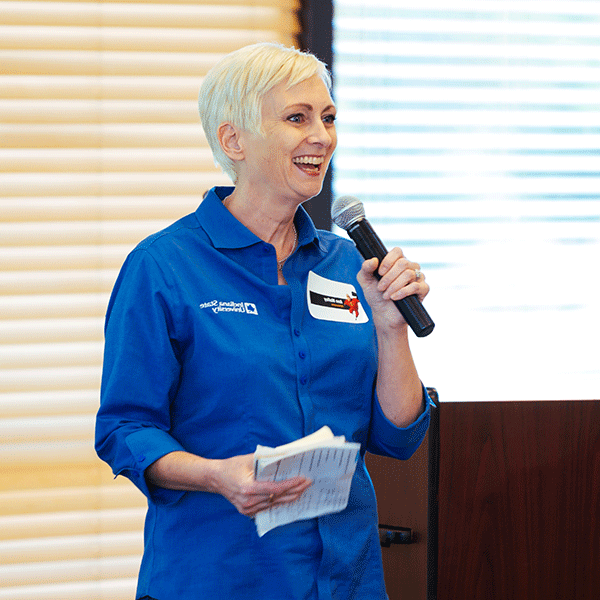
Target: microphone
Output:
{"points": [[348, 213]]}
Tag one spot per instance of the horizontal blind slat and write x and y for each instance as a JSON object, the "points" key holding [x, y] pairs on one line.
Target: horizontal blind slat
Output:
{"points": [[464, 211], [517, 162], [452, 24], [82, 209], [47, 402], [403, 51], [491, 119], [35, 87], [40, 258], [419, 93], [18, 306], [111, 184], [79, 522], [136, 64], [474, 141], [474, 75], [68, 570], [46, 429], [110, 135], [505, 8], [48, 379], [105, 589], [107, 159], [101, 16], [59, 282], [55, 354], [98, 111], [471, 186], [71, 548], [119, 236], [59, 329], [47, 501], [290, 5], [107, 39], [65, 453]]}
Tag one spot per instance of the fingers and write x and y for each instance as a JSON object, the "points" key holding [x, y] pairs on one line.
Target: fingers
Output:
{"points": [[286, 491], [234, 479], [292, 493], [267, 500], [401, 280], [263, 495], [399, 276]]}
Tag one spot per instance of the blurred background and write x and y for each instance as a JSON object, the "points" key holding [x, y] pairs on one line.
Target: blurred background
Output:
{"points": [[471, 133]]}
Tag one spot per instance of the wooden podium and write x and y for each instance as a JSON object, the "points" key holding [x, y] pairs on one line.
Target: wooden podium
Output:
{"points": [[510, 512]]}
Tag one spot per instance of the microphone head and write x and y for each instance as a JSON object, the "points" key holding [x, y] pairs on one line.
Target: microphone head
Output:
{"points": [[346, 211]]}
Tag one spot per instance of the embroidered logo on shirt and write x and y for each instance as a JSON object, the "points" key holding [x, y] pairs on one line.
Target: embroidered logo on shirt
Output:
{"points": [[330, 300], [219, 306]]}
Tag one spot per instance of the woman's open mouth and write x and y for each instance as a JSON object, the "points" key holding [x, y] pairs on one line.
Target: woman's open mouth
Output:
{"points": [[309, 164]]}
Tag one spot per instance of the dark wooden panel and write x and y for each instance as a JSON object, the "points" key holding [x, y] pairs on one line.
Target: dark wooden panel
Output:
{"points": [[401, 488], [519, 501]]}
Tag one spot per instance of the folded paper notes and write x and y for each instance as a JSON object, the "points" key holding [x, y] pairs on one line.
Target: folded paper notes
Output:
{"points": [[328, 460]]}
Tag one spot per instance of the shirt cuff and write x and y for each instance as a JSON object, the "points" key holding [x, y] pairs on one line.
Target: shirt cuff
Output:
{"points": [[399, 442], [147, 445]]}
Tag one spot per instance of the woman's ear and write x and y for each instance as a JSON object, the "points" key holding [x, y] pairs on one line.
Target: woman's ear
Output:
{"points": [[229, 138]]}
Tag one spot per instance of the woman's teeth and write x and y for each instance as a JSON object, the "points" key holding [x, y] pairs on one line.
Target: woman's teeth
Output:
{"points": [[312, 162], [308, 160]]}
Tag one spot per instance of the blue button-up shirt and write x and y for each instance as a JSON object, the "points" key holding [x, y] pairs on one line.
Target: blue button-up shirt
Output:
{"points": [[206, 353]]}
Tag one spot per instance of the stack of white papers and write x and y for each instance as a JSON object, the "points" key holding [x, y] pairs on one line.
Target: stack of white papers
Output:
{"points": [[328, 460]]}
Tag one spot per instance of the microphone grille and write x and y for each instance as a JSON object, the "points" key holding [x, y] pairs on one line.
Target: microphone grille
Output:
{"points": [[346, 211]]}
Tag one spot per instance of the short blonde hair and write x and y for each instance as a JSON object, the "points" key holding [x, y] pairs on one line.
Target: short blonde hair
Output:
{"points": [[233, 90]]}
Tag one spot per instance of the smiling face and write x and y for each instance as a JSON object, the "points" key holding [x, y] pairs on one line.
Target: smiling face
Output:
{"points": [[291, 159]]}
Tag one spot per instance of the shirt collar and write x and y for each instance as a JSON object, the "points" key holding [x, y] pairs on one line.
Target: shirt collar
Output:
{"points": [[225, 231]]}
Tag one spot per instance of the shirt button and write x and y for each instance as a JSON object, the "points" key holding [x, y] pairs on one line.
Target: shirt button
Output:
{"points": [[297, 332], [303, 379], [302, 354]]}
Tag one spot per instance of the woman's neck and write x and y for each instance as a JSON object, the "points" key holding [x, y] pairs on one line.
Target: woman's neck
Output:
{"points": [[272, 223]]}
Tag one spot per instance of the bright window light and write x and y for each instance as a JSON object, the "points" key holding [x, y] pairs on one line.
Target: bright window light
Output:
{"points": [[471, 132]]}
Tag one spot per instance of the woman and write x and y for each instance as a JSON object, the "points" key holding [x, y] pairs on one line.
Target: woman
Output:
{"points": [[219, 337]]}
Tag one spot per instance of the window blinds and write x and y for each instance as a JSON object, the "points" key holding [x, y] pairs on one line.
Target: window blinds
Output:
{"points": [[471, 131], [101, 145]]}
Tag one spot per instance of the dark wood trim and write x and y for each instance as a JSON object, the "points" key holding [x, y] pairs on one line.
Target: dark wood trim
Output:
{"points": [[433, 475], [316, 18]]}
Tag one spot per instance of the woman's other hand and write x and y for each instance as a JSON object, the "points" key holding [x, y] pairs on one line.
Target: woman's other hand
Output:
{"points": [[232, 477], [235, 480]]}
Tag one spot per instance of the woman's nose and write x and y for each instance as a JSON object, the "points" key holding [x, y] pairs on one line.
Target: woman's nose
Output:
{"points": [[321, 134]]}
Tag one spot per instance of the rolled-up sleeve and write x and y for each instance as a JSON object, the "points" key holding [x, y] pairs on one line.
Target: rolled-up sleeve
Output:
{"points": [[398, 442], [140, 375]]}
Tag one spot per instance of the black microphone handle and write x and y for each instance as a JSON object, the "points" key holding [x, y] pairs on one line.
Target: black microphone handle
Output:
{"points": [[369, 245]]}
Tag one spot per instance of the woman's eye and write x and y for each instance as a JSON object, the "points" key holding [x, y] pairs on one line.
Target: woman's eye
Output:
{"points": [[329, 119], [296, 118]]}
